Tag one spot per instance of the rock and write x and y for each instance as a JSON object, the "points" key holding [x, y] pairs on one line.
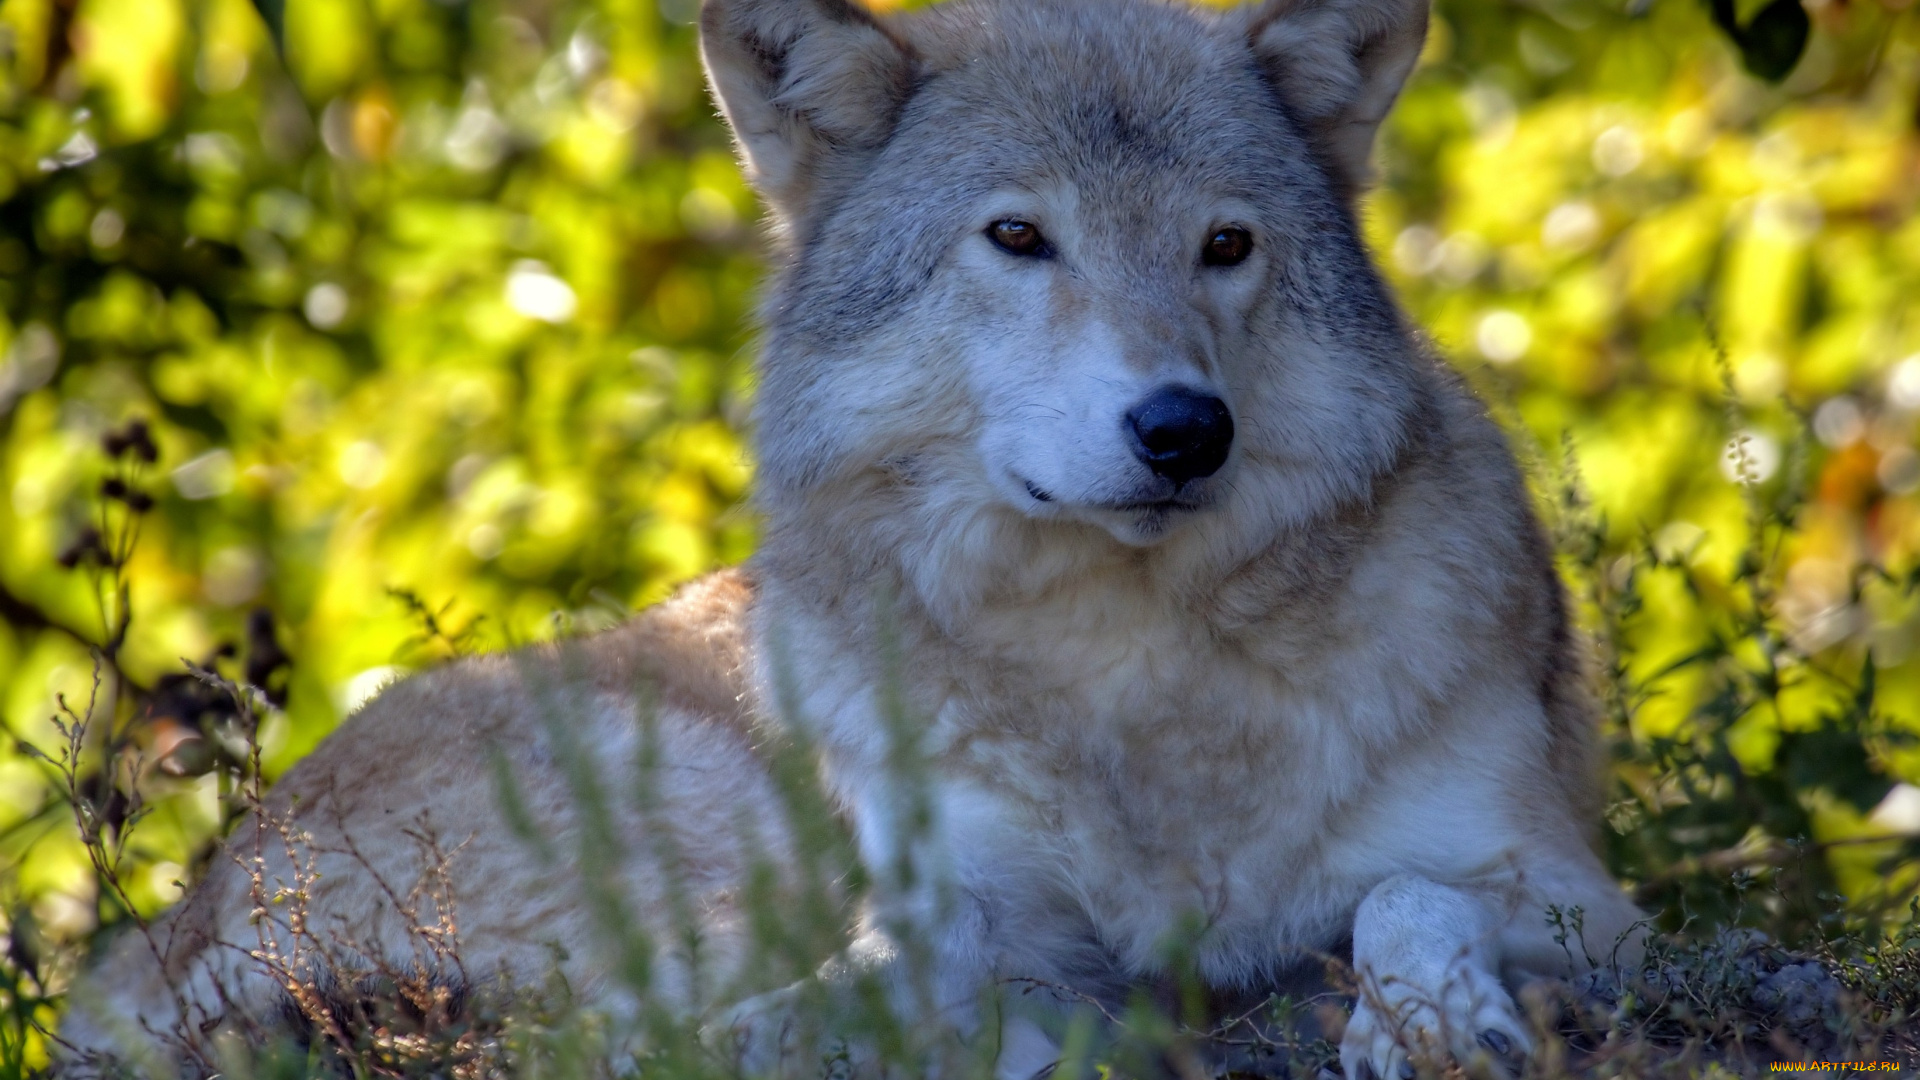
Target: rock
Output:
{"points": [[1801, 997]]}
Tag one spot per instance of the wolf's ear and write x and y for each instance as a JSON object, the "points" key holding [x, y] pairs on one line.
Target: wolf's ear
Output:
{"points": [[1339, 64], [801, 81]]}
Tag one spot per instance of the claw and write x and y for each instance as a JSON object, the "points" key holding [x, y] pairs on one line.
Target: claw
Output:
{"points": [[1505, 1051]]}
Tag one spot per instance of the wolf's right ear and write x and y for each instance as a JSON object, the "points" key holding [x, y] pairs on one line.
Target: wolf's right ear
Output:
{"points": [[801, 81], [1339, 64]]}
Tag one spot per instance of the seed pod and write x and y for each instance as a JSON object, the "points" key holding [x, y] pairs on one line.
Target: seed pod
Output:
{"points": [[141, 440], [84, 547]]}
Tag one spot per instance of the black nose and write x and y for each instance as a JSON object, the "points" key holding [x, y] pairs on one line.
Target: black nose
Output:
{"points": [[1180, 434]]}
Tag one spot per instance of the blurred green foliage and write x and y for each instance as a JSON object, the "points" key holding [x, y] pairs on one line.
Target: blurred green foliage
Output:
{"points": [[451, 304], [1691, 291], [437, 325]]}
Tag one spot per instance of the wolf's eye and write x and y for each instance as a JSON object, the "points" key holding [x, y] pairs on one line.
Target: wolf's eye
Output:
{"points": [[1228, 247], [1018, 238]]}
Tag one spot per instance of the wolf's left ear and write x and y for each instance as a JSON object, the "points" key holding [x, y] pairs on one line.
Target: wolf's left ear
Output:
{"points": [[802, 82], [1339, 64]]}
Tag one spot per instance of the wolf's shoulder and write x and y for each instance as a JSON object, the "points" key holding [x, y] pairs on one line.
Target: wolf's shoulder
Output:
{"points": [[690, 649]]}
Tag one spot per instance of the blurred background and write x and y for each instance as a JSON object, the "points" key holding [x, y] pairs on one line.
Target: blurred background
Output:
{"points": [[338, 337]]}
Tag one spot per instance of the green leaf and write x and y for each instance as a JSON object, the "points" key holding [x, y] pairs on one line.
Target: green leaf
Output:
{"points": [[1775, 39], [1772, 43], [1834, 759], [274, 14]]}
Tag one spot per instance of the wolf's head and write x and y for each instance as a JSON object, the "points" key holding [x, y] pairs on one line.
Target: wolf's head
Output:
{"points": [[1081, 261]]}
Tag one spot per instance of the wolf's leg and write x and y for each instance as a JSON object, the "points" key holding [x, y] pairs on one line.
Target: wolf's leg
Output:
{"points": [[763, 1037], [1428, 959], [938, 990], [768, 1035], [1026, 1052], [1431, 957], [1597, 924]]}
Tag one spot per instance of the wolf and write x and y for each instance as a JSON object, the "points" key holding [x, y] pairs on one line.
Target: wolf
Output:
{"points": [[1216, 603]]}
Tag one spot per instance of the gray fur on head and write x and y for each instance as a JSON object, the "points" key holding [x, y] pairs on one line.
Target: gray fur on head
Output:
{"points": [[1340, 65], [801, 82], [880, 143]]}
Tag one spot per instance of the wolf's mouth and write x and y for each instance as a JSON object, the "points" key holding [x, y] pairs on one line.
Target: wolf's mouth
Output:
{"points": [[1173, 504], [1156, 506]]}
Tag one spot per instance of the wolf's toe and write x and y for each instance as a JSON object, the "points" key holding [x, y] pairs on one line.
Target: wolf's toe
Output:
{"points": [[1507, 1050], [1500, 1038], [1402, 1027], [1372, 1048]]}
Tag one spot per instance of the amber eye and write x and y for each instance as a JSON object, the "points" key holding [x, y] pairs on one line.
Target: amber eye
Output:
{"points": [[1228, 247], [1018, 238]]}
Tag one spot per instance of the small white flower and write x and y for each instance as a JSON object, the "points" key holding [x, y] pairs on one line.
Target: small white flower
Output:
{"points": [[1571, 226], [1903, 386], [362, 464], [325, 305], [206, 477], [1838, 422], [534, 291], [1617, 151], [1417, 249], [1503, 336], [1899, 470], [1750, 457], [107, 228]]}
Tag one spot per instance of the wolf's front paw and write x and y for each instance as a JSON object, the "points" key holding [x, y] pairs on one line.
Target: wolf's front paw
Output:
{"points": [[758, 1035], [1399, 1022]]}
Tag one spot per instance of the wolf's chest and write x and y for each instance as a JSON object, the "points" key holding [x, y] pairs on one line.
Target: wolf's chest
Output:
{"points": [[1212, 816]]}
